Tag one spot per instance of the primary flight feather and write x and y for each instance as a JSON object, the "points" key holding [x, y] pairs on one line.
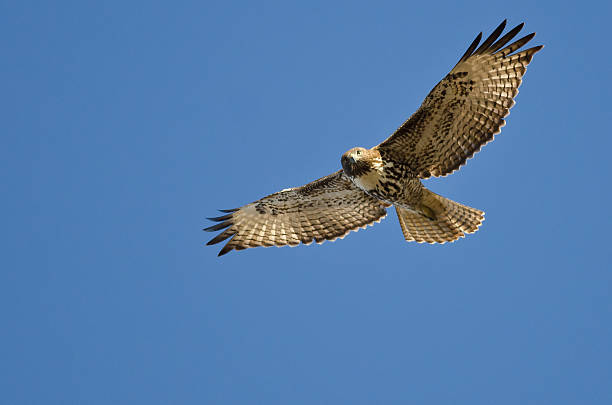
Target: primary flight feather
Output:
{"points": [[462, 113]]}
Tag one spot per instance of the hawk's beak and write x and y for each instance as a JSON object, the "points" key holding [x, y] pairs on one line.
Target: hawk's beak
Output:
{"points": [[351, 160]]}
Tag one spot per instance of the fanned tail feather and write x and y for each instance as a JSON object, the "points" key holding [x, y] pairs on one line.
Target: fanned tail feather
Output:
{"points": [[449, 220]]}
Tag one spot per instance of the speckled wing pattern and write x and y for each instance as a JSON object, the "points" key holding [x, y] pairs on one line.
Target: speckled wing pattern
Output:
{"points": [[465, 109], [326, 209]]}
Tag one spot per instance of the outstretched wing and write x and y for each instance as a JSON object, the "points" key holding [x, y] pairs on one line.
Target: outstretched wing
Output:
{"points": [[465, 110], [325, 209]]}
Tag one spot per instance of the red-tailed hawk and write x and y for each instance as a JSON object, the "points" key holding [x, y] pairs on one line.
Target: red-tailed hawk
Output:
{"points": [[461, 114]]}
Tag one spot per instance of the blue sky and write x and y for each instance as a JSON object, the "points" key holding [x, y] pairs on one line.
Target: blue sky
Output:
{"points": [[126, 124]]}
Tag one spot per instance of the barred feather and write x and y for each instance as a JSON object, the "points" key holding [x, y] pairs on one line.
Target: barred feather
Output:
{"points": [[452, 220]]}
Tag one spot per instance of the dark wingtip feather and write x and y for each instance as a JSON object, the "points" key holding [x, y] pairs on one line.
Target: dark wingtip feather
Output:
{"points": [[494, 35], [519, 43], [225, 221], [221, 237], [226, 249], [489, 47], [221, 218], [218, 227], [471, 48], [506, 38]]}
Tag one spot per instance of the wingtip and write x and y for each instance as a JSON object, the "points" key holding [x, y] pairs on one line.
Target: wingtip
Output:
{"points": [[218, 227], [491, 38], [226, 249], [221, 218], [470, 48], [530, 36], [519, 27]]}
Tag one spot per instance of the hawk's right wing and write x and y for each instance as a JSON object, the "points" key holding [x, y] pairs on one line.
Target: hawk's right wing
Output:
{"points": [[325, 209]]}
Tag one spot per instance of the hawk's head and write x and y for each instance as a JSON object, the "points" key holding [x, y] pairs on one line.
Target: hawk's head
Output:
{"points": [[359, 161]]}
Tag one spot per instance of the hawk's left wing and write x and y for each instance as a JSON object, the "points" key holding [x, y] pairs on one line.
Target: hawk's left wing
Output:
{"points": [[465, 110], [325, 209]]}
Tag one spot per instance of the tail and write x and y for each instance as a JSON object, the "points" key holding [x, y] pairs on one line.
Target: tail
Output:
{"points": [[440, 220]]}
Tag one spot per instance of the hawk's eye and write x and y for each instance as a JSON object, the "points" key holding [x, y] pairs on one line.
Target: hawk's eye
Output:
{"points": [[358, 152]]}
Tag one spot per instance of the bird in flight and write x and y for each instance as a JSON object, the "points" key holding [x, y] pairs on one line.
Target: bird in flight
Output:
{"points": [[462, 113]]}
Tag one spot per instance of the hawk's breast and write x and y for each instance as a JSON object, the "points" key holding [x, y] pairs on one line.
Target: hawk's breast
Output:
{"points": [[367, 181]]}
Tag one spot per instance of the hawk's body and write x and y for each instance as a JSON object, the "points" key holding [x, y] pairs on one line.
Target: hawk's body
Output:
{"points": [[384, 179], [461, 114]]}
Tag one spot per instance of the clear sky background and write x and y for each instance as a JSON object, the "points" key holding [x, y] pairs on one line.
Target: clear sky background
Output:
{"points": [[126, 124]]}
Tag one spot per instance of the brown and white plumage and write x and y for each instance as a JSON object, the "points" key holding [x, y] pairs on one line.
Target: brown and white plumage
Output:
{"points": [[453, 222], [462, 113], [465, 109], [325, 209]]}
